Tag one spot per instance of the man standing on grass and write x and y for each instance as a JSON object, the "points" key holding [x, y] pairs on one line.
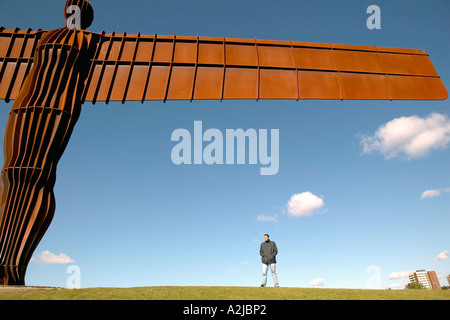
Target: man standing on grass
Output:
{"points": [[268, 252]]}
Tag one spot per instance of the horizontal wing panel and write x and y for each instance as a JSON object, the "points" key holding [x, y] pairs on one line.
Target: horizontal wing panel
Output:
{"points": [[152, 67], [16, 58], [135, 67]]}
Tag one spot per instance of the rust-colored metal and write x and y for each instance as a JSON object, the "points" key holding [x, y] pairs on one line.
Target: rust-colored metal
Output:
{"points": [[152, 67], [50, 74], [39, 126]]}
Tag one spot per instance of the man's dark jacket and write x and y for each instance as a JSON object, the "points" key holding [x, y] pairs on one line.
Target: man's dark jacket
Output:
{"points": [[268, 251]]}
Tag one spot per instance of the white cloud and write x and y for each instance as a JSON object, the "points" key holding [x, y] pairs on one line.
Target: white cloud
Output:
{"points": [[409, 137], [400, 274], [442, 256], [430, 194], [46, 257], [304, 204], [433, 193], [397, 285], [264, 218], [317, 282]]}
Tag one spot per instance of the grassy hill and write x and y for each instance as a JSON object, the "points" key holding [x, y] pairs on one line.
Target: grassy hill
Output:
{"points": [[216, 293]]}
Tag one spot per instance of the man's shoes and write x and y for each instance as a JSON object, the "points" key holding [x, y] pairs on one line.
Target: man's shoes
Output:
{"points": [[262, 285]]}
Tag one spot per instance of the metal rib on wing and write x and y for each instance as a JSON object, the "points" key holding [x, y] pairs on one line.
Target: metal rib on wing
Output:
{"points": [[16, 58], [153, 67], [137, 67]]}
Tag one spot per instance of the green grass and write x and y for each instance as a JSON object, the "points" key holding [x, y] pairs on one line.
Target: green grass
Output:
{"points": [[217, 293]]}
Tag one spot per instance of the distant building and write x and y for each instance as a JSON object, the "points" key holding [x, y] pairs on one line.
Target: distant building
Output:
{"points": [[420, 276], [428, 279], [435, 285]]}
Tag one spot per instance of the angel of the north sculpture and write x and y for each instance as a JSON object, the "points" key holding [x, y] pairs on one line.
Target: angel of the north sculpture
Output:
{"points": [[50, 74]]}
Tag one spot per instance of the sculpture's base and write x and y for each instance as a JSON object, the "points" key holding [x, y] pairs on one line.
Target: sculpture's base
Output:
{"points": [[12, 276]]}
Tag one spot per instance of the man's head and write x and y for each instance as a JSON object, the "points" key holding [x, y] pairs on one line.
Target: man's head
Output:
{"points": [[82, 9], [266, 237]]}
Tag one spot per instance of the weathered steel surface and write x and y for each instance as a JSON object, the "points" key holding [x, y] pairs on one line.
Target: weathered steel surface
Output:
{"points": [[39, 127], [142, 67]]}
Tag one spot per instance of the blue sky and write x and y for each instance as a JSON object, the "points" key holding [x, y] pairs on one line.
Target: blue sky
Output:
{"points": [[127, 216]]}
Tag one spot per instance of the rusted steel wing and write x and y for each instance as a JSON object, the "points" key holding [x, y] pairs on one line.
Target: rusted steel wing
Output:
{"points": [[153, 67], [16, 58]]}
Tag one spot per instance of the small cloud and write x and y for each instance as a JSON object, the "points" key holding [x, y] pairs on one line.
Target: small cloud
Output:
{"points": [[46, 257], [396, 286], [317, 282], [178, 273], [243, 263], [264, 218], [433, 193], [442, 256], [400, 274], [304, 204], [430, 194], [409, 137]]}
